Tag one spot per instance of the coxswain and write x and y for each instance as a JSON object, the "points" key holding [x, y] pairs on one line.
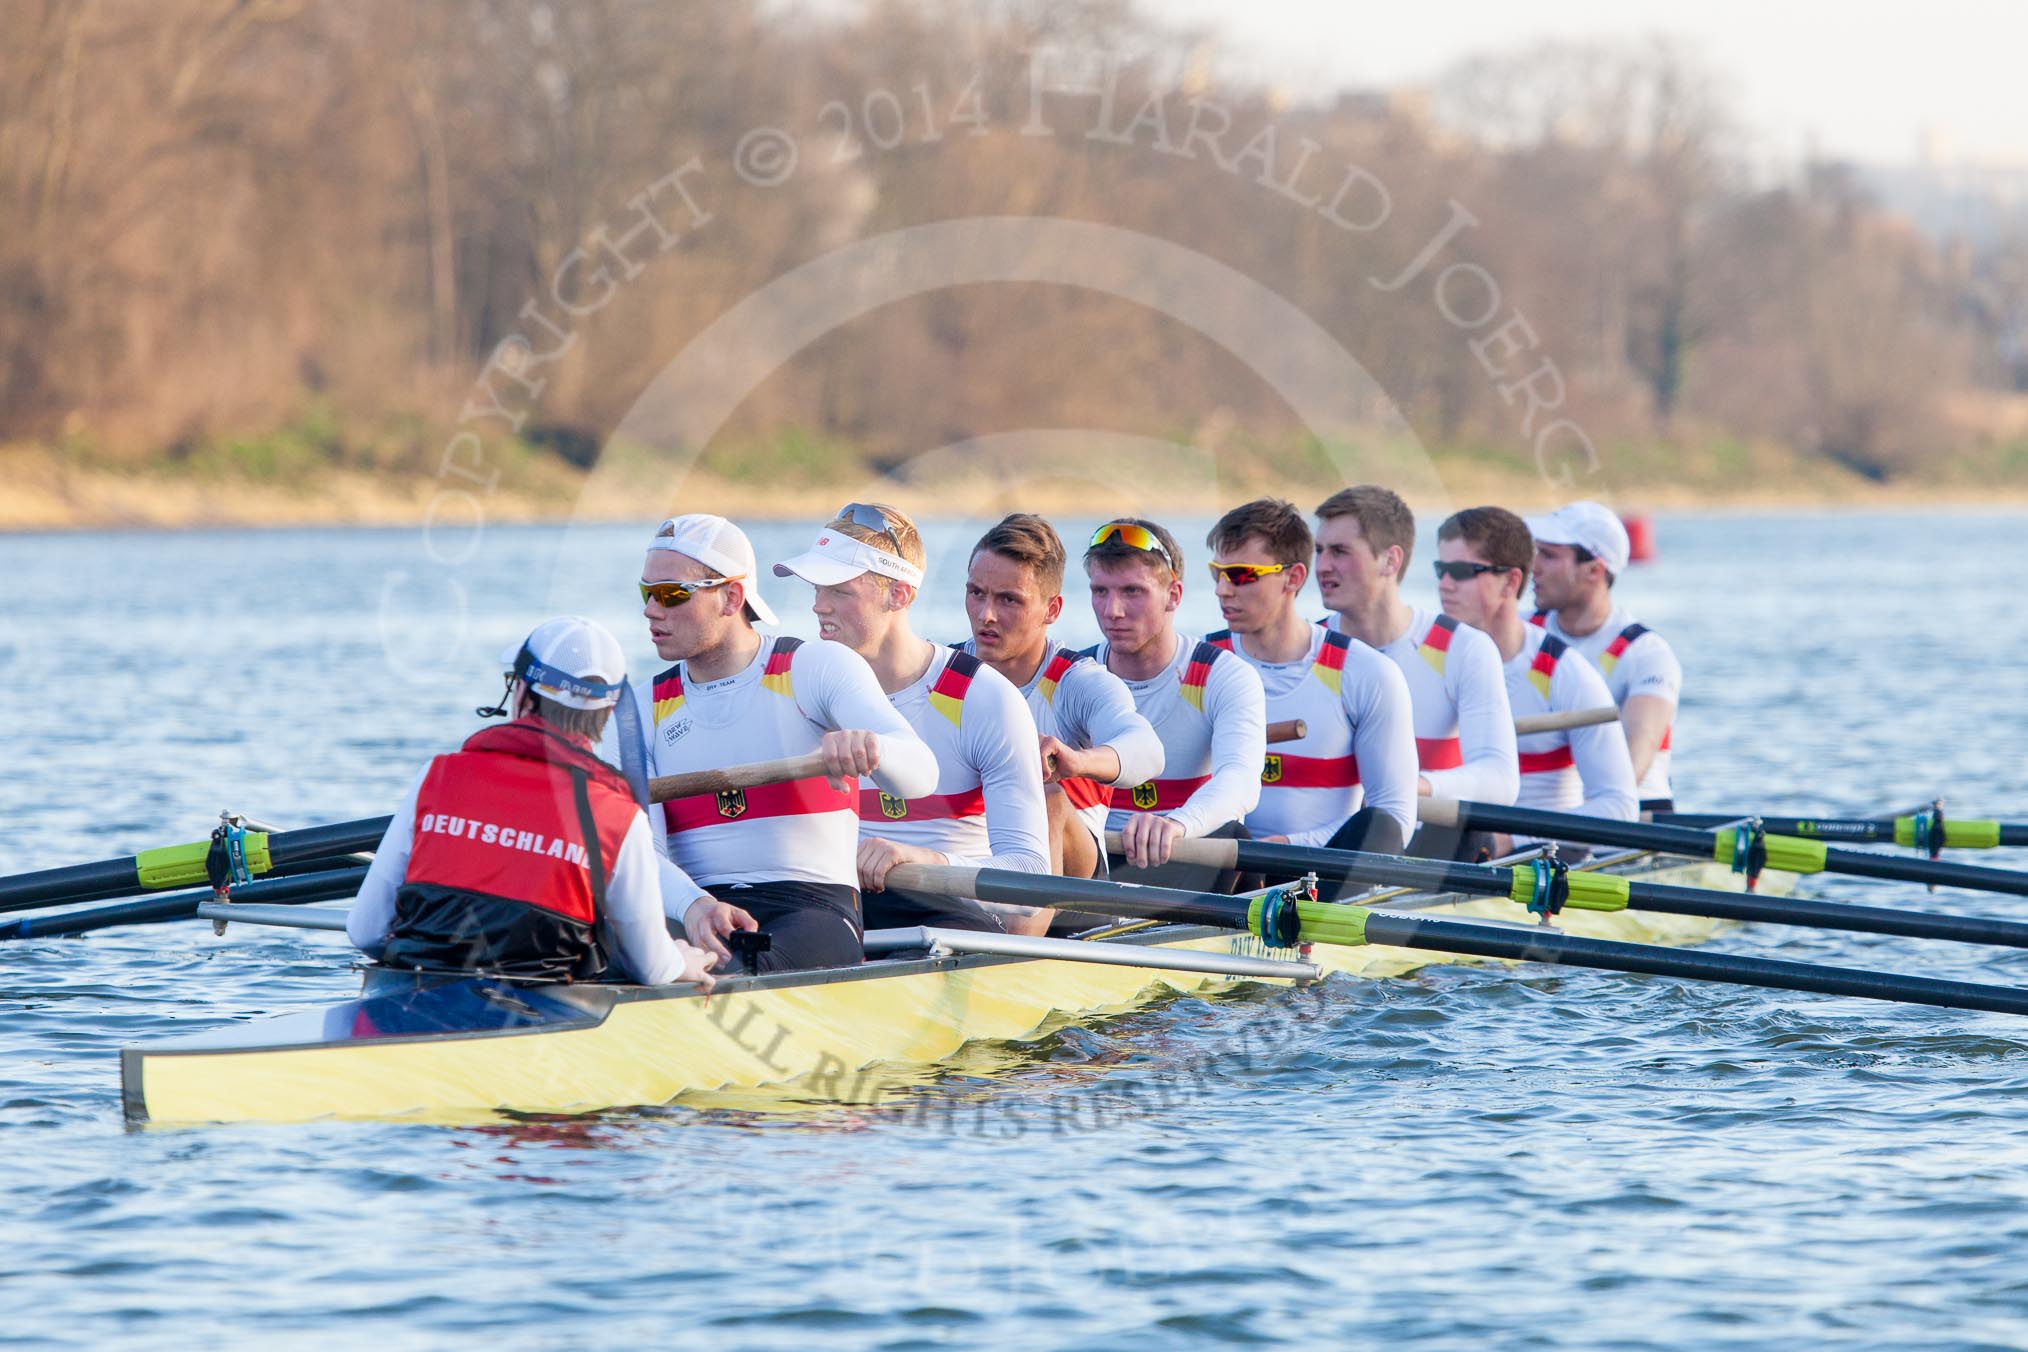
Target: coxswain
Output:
{"points": [[1204, 703], [522, 853], [1484, 555], [1092, 737], [1464, 730], [1580, 551], [779, 859], [985, 809], [1349, 783]]}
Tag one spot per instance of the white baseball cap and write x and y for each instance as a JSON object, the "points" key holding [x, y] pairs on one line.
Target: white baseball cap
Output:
{"points": [[1590, 526], [837, 557], [720, 546], [575, 661]]}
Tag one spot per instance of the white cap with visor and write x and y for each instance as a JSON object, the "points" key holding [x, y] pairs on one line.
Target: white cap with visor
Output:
{"points": [[837, 558], [720, 546], [1592, 527], [572, 660]]}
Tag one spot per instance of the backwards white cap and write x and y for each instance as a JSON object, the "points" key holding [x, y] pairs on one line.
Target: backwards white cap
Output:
{"points": [[837, 558], [1590, 526], [575, 661], [720, 546]]}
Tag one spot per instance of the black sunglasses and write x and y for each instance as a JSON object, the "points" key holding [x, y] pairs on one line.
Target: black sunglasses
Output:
{"points": [[1461, 571]]}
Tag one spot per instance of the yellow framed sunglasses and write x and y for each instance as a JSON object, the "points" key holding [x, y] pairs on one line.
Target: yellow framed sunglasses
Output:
{"points": [[1244, 574]]}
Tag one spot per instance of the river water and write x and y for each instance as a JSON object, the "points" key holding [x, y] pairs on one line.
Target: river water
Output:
{"points": [[1513, 1157]]}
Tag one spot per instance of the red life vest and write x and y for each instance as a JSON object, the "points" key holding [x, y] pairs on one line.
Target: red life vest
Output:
{"points": [[515, 834]]}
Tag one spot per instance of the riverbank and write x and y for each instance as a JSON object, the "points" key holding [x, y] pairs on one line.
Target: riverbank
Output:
{"points": [[46, 489]]}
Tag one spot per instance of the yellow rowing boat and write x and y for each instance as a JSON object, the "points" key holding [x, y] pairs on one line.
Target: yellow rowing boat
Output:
{"points": [[475, 1048]]}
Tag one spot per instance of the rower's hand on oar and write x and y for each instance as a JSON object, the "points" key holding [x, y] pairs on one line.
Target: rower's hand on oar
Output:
{"points": [[849, 754], [1146, 839], [877, 857], [1061, 762], [697, 965], [709, 920]]}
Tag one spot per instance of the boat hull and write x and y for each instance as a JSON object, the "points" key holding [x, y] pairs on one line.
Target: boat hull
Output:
{"points": [[474, 1049]]}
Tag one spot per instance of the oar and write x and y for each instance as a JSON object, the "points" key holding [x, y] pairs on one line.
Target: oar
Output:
{"points": [[1958, 835], [1569, 718], [1284, 918], [326, 886], [183, 865], [735, 777], [286, 852], [1786, 853], [1588, 891], [1288, 730]]}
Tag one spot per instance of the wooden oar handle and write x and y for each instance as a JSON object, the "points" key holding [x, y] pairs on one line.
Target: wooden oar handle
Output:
{"points": [[1210, 853], [1437, 811], [1570, 718], [1288, 730], [735, 777], [939, 880]]}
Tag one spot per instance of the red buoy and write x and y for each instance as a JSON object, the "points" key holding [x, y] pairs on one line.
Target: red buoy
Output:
{"points": [[1640, 537]]}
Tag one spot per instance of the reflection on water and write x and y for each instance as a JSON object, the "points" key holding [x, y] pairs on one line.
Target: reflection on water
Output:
{"points": [[1490, 1154]]}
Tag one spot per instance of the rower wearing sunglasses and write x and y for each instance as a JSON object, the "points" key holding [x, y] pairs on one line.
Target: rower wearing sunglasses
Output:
{"points": [[1580, 550], [985, 809], [1464, 726], [1585, 769], [1349, 782], [1092, 736], [781, 859], [1205, 704]]}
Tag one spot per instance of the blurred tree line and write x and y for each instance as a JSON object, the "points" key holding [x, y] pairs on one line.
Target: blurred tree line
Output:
{"points": [[218, 213]]}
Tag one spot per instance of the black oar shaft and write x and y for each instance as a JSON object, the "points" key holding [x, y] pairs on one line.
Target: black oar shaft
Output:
{"points": [[1852, 830], [121, 877], [1104, 898], [1555, 946], [183, 905], [1703, 844], [1329, 923], [1857, 830], [1749, 906]]}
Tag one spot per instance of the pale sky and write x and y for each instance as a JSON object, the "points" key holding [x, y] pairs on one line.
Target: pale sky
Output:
{"points": [[1859, 80]]}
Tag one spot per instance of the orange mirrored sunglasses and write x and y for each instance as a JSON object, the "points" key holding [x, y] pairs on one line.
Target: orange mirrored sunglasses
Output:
{"points": [[671, 594], [1133, 537]]}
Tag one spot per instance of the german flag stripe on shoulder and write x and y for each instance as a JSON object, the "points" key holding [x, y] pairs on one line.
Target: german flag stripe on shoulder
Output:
{"points": [[1221, 639], [1610, 658], [1543, 668], [1330, 664], [1198, 673], [1540, 619], [776, 675], [947, 695], [1436, 644], [668, 692], [1053, 671]]}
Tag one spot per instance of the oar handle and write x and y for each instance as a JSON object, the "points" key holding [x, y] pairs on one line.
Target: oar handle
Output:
{"points": [[939, 880], [1288, 730], [1563, 722], [735, 777], [1207, 852]]}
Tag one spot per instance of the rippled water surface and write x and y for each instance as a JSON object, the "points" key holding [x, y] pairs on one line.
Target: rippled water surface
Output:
{"points": [[1499, 1157]]}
